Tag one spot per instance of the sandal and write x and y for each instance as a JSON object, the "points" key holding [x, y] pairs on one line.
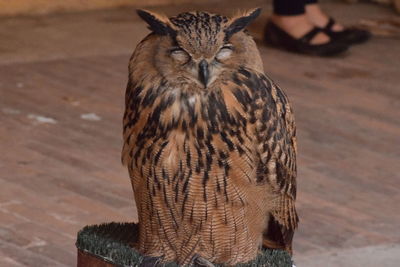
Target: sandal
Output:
{"points": [[275, 36], [348, 36]]}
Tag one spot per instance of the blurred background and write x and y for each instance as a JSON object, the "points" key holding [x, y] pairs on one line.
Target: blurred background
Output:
{"points": [[63, 72]]}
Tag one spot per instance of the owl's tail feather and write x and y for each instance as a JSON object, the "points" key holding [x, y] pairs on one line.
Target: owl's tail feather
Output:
{"points": [[278, 236], [149, 261], [199, 261]]}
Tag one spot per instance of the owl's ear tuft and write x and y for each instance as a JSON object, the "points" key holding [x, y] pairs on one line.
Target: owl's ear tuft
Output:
{"points": [[240, 22], [159, 24]]}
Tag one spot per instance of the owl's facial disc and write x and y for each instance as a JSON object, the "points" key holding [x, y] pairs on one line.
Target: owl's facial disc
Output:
{"points": [[193, 46]]}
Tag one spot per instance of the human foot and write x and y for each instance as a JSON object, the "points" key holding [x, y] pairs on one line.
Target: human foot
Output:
{"points": [[296, 34], [334, 30], [318, 18], [298, 26]]}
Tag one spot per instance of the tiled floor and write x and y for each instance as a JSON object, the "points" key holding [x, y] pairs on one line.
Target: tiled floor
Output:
{"points": [[62, 80]]}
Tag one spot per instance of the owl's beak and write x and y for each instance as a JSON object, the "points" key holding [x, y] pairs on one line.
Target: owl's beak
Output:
{"points": [[204, 73]]}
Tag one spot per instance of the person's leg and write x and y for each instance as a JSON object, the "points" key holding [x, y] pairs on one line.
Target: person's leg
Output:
{"points": [[290, 16]]}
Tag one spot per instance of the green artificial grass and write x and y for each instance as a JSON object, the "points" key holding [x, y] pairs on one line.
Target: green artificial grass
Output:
{"points": [[110, 242]]}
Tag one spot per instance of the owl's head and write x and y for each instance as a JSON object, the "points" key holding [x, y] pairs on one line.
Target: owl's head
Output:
{"points": [[200, 47]]}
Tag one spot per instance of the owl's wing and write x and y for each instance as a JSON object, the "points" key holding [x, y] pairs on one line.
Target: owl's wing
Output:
{"points": [[275, 134], [137, 101], [131, 117]]}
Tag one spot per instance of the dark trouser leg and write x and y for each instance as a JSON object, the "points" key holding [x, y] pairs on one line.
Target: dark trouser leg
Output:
{"points": [[306, 2], [291, 7], [288, 7]]}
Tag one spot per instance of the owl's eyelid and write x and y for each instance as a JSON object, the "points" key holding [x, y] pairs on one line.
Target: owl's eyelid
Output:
{"points": [[227, 46], [174, 51], [177, 49], [221, 51]]}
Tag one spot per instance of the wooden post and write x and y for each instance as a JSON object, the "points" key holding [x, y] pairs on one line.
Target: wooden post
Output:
{"points": [[89, 260], [397, 5]]}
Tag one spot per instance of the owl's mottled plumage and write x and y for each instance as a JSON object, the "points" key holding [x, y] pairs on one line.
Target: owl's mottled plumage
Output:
{"points": [[209, 141]]}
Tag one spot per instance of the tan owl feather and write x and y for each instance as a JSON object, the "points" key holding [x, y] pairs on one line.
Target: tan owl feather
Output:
{"points": [[209, 142]]}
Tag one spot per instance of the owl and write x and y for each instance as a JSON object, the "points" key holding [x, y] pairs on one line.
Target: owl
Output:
{"points": [[209, 143]]}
